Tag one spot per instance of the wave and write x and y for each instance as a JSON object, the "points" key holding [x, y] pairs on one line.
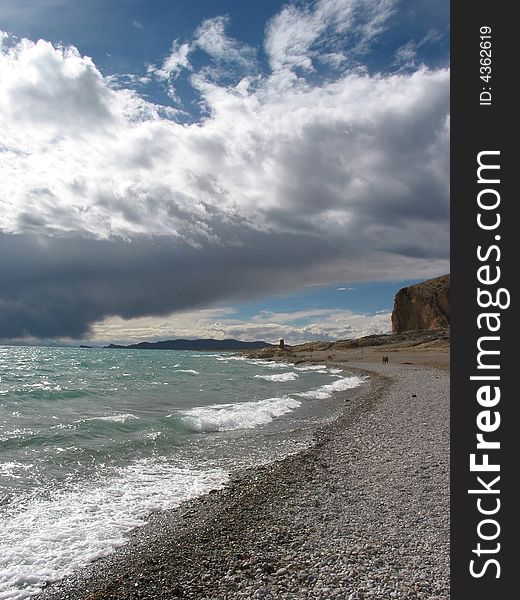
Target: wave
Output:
{"points": [[326, 391], [190, 371], [46, 539], [271, 364], [259, 362], [38, 391], [311, 367], [242, 415], [13, 468], [69, 434], [278, 377], [117, 418]]}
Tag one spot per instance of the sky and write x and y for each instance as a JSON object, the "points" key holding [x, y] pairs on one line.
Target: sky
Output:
{"points": [[255, 170]]}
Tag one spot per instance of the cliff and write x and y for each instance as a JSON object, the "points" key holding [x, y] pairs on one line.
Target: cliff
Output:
{"points": [[425, 305]]}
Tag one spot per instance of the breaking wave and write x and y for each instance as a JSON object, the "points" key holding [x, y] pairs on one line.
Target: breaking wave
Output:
{"points": [[242, 415]]}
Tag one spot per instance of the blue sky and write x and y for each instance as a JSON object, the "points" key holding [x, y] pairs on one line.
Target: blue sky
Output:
{"points": [[212, 167], [361, 297], [125, 36], [122, 36]]}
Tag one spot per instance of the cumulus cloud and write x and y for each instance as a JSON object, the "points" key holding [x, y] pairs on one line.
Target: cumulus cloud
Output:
{"points": [[283, 182], [358, 155], [54, 89]]}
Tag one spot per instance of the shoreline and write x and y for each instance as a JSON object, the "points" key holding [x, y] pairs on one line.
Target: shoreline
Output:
{"points": [[310, 525]]}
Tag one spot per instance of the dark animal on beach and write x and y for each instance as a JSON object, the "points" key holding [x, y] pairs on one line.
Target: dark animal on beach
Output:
{"points": [[384, 360]]}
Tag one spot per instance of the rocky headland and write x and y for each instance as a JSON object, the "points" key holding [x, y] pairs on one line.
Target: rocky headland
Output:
{"points": [[423, 306]]}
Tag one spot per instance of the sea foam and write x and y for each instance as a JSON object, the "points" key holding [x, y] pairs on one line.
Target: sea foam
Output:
{"points": [[259, 362], [49, 538], [117, 418], [279, 377], [242, 415], [190, 371], [326, 391]]}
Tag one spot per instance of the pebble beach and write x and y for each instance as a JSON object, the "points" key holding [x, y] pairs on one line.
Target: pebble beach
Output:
{"points": [[362, 513]]}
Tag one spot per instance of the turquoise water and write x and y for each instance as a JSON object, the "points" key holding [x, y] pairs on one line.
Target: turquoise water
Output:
{"points": [[94, 440]]}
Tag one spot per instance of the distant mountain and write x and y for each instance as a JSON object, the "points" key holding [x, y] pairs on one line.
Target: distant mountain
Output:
{"points": [[209, 344]]}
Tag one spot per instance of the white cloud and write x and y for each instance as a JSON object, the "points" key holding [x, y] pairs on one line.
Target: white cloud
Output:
{"points": [[294, 327], [360, 160], [295, 36], [55, 89], [211, 37], [174, 62], [407, 55]]}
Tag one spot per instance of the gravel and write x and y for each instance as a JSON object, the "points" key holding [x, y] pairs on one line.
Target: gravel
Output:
{"points": [[363, 513]]}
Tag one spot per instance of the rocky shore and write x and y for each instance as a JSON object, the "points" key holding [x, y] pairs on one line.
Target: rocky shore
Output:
{"points": [[364, 513]]}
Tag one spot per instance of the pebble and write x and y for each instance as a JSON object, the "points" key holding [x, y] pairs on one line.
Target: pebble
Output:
{"points": [[353, 517]]}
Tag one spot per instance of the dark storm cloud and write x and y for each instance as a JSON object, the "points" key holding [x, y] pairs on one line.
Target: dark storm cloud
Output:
{"points": [[55, 287]]}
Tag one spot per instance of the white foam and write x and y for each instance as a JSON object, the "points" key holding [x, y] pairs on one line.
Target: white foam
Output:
{"points": [[311, 367], [17, 432], [13, 468], [242, 415], [117, 418], [279, 377], [228, 358], [259, 362], [271, 364], [44, 385], [326, 391], [47, 539], [190, 371], [335, 371]]}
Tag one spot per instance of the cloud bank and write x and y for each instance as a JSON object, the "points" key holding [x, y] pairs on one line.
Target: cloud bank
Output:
{"points": [[294, 327], [113, 206]]}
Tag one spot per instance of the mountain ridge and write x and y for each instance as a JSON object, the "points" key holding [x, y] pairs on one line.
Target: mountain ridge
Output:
{"points": [[198, 344]]}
